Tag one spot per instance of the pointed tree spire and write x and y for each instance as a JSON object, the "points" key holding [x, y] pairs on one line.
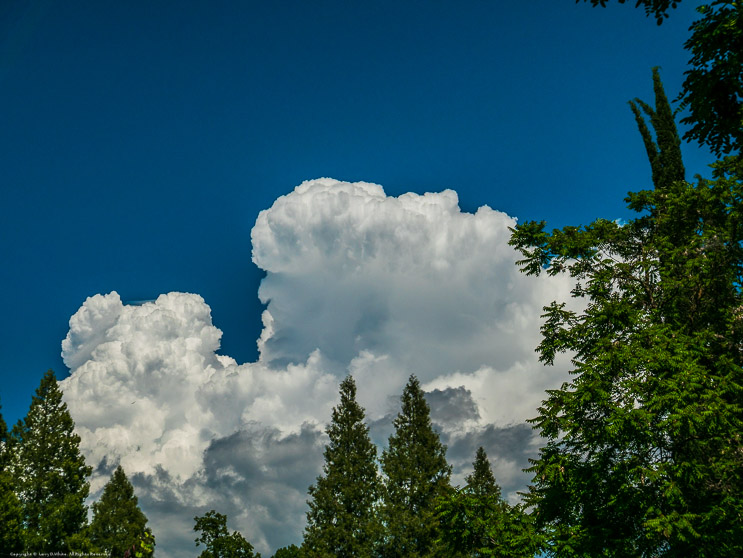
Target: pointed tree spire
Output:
{"points": [[475, 521], [664, 152], [416, 476], [117, 520], [50, 472], [482, 481], [342, 519]]}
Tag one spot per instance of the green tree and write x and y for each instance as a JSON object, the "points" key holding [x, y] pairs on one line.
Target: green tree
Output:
{"points": [[644, 455], [342, 519], [656, 8], [481, 481], [49, 471], [712, 91], [291, 551], [416, 477], [143, 547], [475, 521], [217, 539], [713, 88], [117, 520], [11, 513]]}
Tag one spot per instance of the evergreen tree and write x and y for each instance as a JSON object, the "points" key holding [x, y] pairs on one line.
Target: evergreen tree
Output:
{"points": [[117, 520], [49, 472], [11, 513], [475, 521], [342, 519], [217, 539], [482, 481], [664, 152], [644, 453], [416, 476], [291, 551]]}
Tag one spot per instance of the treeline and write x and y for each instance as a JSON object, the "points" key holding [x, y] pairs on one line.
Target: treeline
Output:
{"points": [[402, 504], [409, 510], [43, 488], [643, 453]]}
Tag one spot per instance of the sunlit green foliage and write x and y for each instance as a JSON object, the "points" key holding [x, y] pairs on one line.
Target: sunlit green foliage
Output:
{"points": [[644, 455]]}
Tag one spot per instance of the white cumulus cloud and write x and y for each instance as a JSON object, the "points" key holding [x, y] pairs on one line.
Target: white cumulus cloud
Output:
{"points": [[356, 282]]}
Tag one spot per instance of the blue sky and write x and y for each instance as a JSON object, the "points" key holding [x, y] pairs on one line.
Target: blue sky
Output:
{"points": [[139, 141]]}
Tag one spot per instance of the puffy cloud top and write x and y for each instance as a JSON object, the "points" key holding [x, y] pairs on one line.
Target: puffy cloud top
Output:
{"points": [[351, 271], [356, 282]]}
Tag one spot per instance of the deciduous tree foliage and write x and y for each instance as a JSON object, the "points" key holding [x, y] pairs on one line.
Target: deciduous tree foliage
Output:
{"points": [[657, 8], [117, 523], [49, 473], [644, 455], [416, 477], [218, 541], [342, 519], [143, 547], [713, 89]]}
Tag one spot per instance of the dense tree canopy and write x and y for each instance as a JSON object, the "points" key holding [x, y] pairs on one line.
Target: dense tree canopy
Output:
{"points": [[644, 455], [342, 519], [49, 472]]}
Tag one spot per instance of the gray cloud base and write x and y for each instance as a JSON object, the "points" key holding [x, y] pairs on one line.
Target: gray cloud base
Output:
{"points": [[356, 282]]}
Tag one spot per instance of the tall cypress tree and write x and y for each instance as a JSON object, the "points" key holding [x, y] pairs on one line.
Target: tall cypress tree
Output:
{"points": [[664, 152], [416, 477], [117, 520], [49, 472], [11, 516], [342, 518]]}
